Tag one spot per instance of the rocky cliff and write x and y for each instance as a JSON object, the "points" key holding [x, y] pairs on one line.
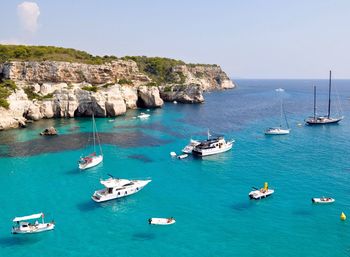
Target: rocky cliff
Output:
{"points": [[48, 89]]}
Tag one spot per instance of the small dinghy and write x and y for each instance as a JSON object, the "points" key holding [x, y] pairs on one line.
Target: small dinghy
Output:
{"points": [[323, 200], [258, 194], [182, 156], [161, 221], [143, 115]]}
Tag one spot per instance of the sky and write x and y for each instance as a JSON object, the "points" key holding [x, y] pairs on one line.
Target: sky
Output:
{"points": [[247, 38]]}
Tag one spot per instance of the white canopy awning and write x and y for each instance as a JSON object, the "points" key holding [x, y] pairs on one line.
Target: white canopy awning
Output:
{"points": [[29, 217]]}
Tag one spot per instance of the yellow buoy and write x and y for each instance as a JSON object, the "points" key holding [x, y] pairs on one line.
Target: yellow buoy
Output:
{"points": [[342, 216], [266, 186]]}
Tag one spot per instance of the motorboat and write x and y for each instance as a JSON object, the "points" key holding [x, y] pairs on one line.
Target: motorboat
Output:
{"points": [[117, 188], [327, 119], [172, 154], [189, 148], [161, 221], [213, 145], [277, 131], [182, 156], [323, 200], [24, 225], [258, 194], [92, 159], [143, 115]]}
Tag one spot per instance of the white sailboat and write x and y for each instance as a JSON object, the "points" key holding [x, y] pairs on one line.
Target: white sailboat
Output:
{"points": [[92, 159], [279, 130]]}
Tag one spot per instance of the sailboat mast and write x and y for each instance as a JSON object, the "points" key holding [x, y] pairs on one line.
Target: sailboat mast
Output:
{"points": [[314, 102], [281, 111], [93, 131], [329, 94]]}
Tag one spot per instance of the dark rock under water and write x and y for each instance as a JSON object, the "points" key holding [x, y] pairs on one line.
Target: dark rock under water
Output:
{"points": [[77, 141], [140, 157]]}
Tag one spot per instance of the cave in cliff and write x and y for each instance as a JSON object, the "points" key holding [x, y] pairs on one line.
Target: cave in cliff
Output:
{"points": [[140, 103]]}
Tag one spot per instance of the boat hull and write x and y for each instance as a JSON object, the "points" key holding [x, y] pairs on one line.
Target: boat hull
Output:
{"points": [[277, 131], [207, 152], [35, 229], [323, 200], [325, 121], [257, 194], [96, 160], [100, 196], [161, 221]]}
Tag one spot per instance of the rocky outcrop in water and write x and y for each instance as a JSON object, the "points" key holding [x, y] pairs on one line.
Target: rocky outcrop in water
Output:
{"points": [[52, 89], [51, 131]]}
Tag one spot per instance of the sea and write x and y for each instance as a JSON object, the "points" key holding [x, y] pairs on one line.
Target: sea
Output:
{"points": [[208, 196]]}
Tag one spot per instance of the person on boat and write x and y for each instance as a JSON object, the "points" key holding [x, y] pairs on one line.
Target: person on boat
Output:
{"points": [[262, 190]]}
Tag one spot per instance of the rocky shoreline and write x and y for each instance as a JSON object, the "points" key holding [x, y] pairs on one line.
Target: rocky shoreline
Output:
{"points": [[51, 89]]}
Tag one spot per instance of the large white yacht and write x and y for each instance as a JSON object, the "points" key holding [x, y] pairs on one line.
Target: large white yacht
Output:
{"points": [[212, 146], [117, 188]]}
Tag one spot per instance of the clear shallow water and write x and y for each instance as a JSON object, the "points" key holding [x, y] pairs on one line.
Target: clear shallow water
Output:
{"points": [[207, 197]]}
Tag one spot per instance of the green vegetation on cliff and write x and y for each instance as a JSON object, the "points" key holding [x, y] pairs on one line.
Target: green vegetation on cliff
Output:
{"points": [[6, 88], [159, 69], [49, 53], [32, 95]]}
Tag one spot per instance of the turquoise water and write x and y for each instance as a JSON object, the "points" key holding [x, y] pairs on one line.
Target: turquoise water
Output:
{"points": [[208, 198]]}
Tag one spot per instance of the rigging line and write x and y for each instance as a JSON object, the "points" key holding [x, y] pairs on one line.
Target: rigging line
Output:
{"points": [[338, 106], [285, 116]]}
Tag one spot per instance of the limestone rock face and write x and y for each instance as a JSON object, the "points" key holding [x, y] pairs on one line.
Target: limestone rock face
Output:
{"points": [[130, 96], [9, 120], [209, 77], [183, 93], [63, 89], [114, 102], [149, 97], [58, 72]]}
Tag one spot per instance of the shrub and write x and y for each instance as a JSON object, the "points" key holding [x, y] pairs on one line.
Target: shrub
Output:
{"points": [[6, 88], [125, 82], [107, 85], [49, 53], [90, 88], [151, 84], [167, 89], [158, 69], [4, 103], [32, 95]]}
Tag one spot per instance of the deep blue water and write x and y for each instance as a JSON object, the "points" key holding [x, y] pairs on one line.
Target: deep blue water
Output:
{"points": [[208, 198]]}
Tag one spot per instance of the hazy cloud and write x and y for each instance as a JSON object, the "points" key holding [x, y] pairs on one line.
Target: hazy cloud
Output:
{"points": [[28, 13]]}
